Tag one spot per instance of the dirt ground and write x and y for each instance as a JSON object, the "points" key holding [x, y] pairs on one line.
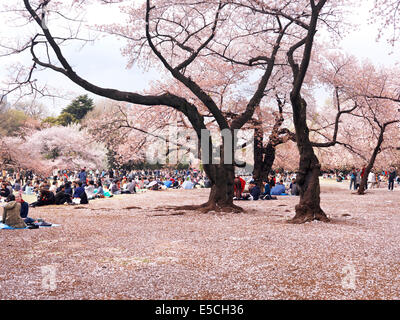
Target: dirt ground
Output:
{"points": [[129, 247]]}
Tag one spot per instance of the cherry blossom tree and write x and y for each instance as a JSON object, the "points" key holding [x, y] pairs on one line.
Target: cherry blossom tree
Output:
{"points": [[56, 147], [245, 39], [369, 94]]}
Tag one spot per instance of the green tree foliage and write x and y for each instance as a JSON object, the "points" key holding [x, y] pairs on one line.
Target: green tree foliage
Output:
{"points": [[11, 121], [79, 107], [74, 112]]}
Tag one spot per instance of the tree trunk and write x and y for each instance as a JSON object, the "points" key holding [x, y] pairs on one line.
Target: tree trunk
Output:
{"points": [[363, 183], [263, 161], [307, 177], [221, 176], [221, 194]]}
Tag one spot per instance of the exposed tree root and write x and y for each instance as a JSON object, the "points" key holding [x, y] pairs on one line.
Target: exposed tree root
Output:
{"points": [[108, 209], [132, 207], [305, 214], [170, 214], [208, 207]]}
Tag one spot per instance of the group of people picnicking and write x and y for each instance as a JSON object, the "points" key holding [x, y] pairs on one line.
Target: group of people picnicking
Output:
{"points": [[275, 185], [78, 187], [69, 187]]}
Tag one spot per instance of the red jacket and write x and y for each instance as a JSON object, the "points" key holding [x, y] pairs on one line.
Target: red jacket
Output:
{"points": [[242, 185]]}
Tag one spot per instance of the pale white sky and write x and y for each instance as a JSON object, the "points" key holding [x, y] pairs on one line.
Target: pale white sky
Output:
{"points": [[103, 64]]}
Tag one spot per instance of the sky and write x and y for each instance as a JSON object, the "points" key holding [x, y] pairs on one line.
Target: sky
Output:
{"points": [[103, 65]]}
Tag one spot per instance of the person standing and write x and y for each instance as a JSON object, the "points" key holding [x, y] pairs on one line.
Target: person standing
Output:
{"points": [[353, 177], [371, 179], [392, 176], [358, 179], [82, 176]]}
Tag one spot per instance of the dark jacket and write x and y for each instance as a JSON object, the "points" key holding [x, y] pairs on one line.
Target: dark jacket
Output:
{"points": [[82, 176], [267, 190], [80, 193], [47, 198], [255, 192], [61, 197], [4, 192]]}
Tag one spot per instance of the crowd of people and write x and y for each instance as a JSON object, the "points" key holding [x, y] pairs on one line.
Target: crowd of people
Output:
{"points": [[375, 178], [276, 185], [81, 186], [78, 187]]}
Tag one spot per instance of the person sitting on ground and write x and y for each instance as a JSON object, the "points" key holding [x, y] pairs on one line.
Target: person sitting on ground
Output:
{"points": [[12, 213], [168, 183], [53, 187], [61, 197], [44, 185], [267, 192], [175, 184], [4, 191], [68, 188], [45, 198], [80, 193], [9, 187], [272, 180], [207, 182], [238, 187], [24, 205], [36, 188], [24, 208], [114, 187], [278, 189], [294, 190], [99, 190], [153, 185], [90, 190], [26, 185], [130, 188], [254, 192], [124, 183], [17, 185]]}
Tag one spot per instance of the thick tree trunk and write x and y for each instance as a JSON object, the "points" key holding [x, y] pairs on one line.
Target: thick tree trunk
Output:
{"points": [[307, 177], [221, 194], [221, 176]]}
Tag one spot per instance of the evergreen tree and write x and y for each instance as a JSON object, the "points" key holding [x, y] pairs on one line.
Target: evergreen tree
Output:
{"points": [[78, 108]]}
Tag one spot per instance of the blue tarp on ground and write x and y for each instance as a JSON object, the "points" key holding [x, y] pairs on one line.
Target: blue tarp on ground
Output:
{"points": [[187, 185], [168, 184], [6, 227]]}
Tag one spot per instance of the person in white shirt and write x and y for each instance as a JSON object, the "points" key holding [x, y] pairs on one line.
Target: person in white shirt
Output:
{"points": [[53, 187], [371, 180], [90, 190]]}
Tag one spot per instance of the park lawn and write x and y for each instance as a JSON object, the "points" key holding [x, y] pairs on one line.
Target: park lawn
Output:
{"points": [[130, 247]]}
